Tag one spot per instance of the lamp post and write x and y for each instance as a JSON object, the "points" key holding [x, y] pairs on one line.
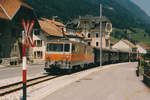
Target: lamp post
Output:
{"points": [[100, 35]]}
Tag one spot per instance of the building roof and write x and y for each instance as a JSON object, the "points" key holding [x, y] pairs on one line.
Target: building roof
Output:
{"points": [[50, 29], [144, 45], [55, 22], [87, 39], [10, 7], [74, 34], [94, 18], [79, 35], [129, 43], [94, 21], [2, 14]]}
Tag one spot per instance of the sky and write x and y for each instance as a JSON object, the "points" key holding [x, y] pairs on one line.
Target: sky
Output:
{"points": [[144, 4]]}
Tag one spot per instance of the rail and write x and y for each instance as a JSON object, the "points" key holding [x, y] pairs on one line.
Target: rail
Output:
{"points": [[4, 90], [146, 76]]}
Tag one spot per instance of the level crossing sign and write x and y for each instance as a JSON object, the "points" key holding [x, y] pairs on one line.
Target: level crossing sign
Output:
{"points": [[27, 39]]}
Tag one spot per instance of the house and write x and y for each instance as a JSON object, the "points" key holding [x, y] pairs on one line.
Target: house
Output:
{"points": [[89, 27], [49, 31], [53, 21], [125, 45], [143, 48], [12, 12]]}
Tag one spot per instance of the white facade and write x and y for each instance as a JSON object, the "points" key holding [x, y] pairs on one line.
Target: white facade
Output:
{"points": [[38, 51], [141, 49]]}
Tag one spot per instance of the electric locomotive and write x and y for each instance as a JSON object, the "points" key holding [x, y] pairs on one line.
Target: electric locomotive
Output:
{"points": [[67, 55]]}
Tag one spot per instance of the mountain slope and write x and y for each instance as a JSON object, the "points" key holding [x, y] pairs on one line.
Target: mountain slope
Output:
{"points": [[133, 8], [122, 13]]}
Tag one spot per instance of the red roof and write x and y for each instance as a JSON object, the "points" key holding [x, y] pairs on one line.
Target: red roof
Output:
{"points": [[2, 14], [10, 7], [55, 22], [50, 29], [144, 45], [129, 43]]}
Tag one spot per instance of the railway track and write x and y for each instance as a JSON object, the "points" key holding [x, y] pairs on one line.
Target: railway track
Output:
{"points": [[4, 90]]}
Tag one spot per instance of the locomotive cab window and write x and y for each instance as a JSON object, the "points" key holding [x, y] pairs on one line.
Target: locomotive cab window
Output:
{"points": [[67, 47], [55, 47]]}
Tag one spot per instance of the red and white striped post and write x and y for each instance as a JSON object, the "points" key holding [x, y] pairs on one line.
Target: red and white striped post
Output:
{"points": [[24, 71], [26, 39]]}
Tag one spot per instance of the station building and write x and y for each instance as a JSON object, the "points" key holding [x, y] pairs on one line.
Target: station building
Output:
{"points": [[89, 27]]}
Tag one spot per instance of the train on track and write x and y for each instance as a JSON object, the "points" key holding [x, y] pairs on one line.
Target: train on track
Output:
{"points": [[69, 55]]}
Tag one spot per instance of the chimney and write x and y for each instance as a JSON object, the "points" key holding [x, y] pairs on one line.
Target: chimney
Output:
{"points": [[53, 18]]}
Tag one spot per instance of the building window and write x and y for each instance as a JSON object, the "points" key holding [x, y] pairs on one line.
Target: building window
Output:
{"points": [[96, 34], [97, 44], [85, 26], [38, 43], [34, 55], [89, 43], [89, 35], [107, 43], [38, 55]]}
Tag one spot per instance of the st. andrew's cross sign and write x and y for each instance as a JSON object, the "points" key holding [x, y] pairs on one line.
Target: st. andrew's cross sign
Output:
{"points": [[27, 39]]}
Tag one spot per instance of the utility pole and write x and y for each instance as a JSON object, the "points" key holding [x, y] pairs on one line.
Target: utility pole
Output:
{"points": [[130, 49], [100, 35]]}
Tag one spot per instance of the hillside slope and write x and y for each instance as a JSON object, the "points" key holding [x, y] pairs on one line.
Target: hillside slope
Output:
{"points": [[123, 14]]}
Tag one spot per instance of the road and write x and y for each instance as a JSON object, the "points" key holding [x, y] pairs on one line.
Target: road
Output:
{"points": [[116, 83], [10, 72]]}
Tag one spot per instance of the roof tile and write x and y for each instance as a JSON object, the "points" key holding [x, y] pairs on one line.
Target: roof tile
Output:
{"points": [[2, 14], [144, 45], [11, 6], [55, 22], [129, 43], [50, 28]]}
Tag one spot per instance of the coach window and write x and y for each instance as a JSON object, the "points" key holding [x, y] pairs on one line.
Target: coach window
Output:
{"points": [[67, 47], [97, 43]]}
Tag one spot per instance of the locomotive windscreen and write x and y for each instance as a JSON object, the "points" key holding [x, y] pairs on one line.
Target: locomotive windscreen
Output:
{"points": [[55, 47], [58, 47]]}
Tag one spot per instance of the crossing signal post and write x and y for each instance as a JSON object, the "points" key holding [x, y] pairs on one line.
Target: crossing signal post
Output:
{"points": [[26, 40]]}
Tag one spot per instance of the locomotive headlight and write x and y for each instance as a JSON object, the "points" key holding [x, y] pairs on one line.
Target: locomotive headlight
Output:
{"points": [[48, 58], [67, 59]]}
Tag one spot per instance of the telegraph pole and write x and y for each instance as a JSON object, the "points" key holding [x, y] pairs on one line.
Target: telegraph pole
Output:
{"points": [[100, 35], [130, 49]]}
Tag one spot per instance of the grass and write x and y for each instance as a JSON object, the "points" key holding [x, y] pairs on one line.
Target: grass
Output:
{"points": [[139, 36]]}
